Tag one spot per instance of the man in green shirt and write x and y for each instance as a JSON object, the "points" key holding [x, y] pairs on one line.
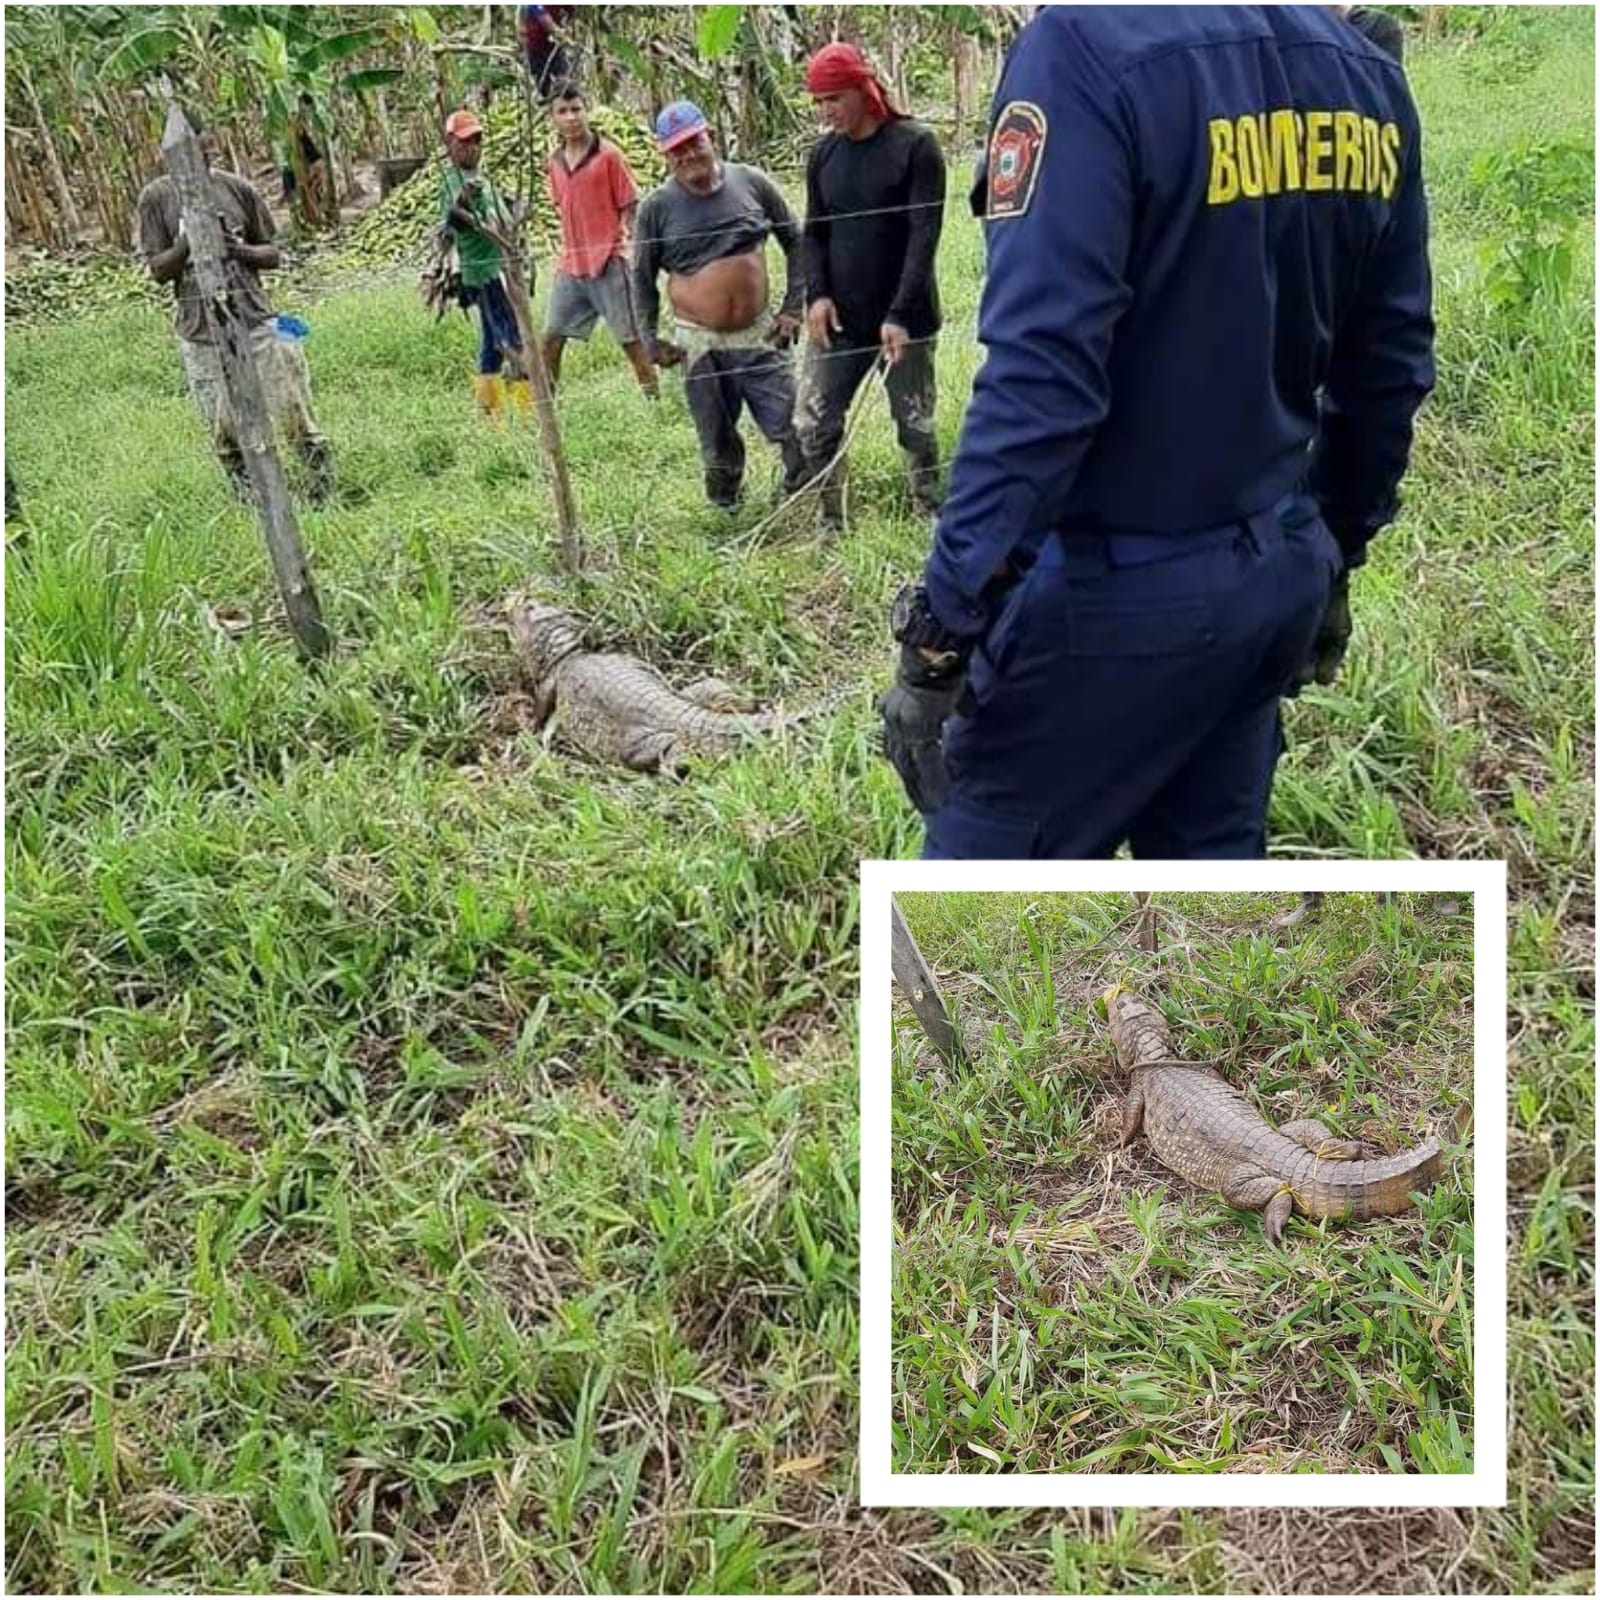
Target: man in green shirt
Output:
{"points": [[477, 219]]}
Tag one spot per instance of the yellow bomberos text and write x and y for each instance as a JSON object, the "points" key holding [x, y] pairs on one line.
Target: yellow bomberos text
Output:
{"points": [[1280, 152]]}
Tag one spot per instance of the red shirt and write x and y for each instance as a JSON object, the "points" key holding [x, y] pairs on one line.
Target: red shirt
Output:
{"points": [[590, 199]]}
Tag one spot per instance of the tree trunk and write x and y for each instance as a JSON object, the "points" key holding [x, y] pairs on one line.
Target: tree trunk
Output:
{"points": [[35, 218], [304, 205], [964, 60], [918, 985], [385, 140], [749, 107], [52, 158], [246, 398]]}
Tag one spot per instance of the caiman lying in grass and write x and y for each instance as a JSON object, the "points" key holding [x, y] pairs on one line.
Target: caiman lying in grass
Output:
{"points": [[618, 708], [1208, 1132]]}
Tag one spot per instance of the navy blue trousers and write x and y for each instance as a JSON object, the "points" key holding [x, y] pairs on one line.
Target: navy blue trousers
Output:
{"points": [[1128, 691], [497, 325]]}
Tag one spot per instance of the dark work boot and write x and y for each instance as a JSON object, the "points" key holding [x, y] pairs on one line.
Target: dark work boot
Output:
{"points": [[830, 507], [830, 491], [232, 459], [319, 463], [723, 487], [922, 474], [796, 474]]}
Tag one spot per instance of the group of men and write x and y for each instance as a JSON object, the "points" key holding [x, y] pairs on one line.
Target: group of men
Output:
{"points": [[860, 287], [1208, 323]]}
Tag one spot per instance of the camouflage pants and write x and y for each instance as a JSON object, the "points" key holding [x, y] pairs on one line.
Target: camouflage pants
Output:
{"points": [[286, 380], [829, 380]]}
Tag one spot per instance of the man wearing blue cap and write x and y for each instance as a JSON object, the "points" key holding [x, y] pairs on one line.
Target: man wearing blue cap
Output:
{"points": [[1208, 319], [708, 225]]}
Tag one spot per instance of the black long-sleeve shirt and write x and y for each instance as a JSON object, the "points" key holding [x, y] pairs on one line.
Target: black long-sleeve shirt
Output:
{"points": [[874, 212], [684, 232]]}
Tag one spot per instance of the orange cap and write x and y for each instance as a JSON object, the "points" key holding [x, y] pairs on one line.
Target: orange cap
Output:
{"points": [[462, 125]]}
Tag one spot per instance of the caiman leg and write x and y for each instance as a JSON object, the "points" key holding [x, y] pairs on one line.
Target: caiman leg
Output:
{"points": [[1132, 1109], [544, 701], [650, 750], [1310, 904], [714, 694], [1251, 1189], [1310, 1135]]}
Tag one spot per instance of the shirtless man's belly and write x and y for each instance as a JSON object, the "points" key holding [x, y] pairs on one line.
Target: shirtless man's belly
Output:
{"points": [[725, 296]]}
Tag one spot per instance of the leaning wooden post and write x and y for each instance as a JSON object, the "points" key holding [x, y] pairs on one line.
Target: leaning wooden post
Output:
{"points": [[1147, 922], [544, 407], [242, 383], [917, 983]]}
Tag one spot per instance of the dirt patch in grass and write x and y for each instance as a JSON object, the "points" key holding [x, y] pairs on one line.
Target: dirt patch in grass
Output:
{"points": [[1346, 1552]]}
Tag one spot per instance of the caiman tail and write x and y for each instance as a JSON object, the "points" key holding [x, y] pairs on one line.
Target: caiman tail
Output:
{"points": [[1360, 1189]]}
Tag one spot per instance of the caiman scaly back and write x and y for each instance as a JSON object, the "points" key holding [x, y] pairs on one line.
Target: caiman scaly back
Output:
{"points": [[1207, 1131], [618, 708]]}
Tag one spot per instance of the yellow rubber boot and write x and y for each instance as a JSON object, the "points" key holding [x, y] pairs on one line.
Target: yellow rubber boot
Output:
{"points": [[490, 389], [521, 392]]}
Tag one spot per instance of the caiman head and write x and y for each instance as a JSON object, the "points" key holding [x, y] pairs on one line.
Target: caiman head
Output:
{"points": [[545, 636]]}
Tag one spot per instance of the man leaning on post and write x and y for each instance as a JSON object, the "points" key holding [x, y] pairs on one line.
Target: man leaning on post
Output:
{"points": [[249, 250]]}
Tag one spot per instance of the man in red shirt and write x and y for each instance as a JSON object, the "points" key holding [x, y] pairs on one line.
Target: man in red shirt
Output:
{"points": [[594, 193]]}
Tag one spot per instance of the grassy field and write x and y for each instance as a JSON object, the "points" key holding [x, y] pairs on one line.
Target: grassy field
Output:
{"points": [[1062, 1307], [431, 1161]]}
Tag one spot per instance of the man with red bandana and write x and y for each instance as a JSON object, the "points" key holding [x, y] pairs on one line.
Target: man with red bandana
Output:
{"points": [[875, 187]]}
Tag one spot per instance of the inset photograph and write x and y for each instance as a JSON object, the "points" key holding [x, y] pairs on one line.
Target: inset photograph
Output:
{"points": [[1182, 1183]]}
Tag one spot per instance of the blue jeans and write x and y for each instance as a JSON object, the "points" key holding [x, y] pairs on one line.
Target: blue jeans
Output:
{"points": [[498, 323], [1128, 691]]}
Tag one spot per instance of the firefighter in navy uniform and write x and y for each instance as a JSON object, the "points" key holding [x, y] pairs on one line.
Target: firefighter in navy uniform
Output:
{"points": [[1207, 312]]}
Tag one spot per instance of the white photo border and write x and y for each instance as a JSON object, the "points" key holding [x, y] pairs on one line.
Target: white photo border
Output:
{"points": [[1485, 881]]}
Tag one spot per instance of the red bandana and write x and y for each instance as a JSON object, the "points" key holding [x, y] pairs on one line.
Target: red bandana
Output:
{"points": [[842, 66]]}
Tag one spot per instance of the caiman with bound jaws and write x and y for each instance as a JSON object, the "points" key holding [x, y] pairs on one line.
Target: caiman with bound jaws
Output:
{"points": [[1208, 1132]]}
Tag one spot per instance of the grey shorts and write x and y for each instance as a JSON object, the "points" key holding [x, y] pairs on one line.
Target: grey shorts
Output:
{"points": [[576, 304]]}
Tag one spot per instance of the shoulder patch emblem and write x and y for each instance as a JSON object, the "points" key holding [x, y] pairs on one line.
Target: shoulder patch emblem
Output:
{"points": [[1015, 149]]}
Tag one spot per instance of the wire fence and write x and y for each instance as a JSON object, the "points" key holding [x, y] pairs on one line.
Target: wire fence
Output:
{"points": [[315, 284]]}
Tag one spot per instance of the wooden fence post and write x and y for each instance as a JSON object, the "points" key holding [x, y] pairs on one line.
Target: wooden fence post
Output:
{"points": [[917, 983], [241, 381], [1147, 921], [544, 408]]}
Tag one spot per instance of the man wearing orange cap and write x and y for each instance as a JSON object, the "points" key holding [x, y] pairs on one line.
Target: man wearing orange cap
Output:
{"points": [[874, 209], [477, 219]]}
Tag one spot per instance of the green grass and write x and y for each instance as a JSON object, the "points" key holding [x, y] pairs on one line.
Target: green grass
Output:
{"points": [[1059, 1307], [431, 1160]]}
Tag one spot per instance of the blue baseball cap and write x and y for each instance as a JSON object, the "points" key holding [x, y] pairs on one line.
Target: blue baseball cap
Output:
{"points": [[679, 123]]}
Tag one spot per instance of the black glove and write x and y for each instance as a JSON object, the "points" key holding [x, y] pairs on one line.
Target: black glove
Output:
{"points": [[933, 672], [1333, 636]]}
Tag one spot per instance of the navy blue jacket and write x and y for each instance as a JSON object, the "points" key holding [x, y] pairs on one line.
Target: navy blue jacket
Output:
{"points": [[1207, 285]]}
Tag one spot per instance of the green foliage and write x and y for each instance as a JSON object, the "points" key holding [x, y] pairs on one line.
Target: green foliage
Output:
{"points": [[59, 288], [719, 27], [1543, 193]]}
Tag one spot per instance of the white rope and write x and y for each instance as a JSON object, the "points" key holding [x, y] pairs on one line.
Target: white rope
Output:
{"points": [[877, 382]]}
